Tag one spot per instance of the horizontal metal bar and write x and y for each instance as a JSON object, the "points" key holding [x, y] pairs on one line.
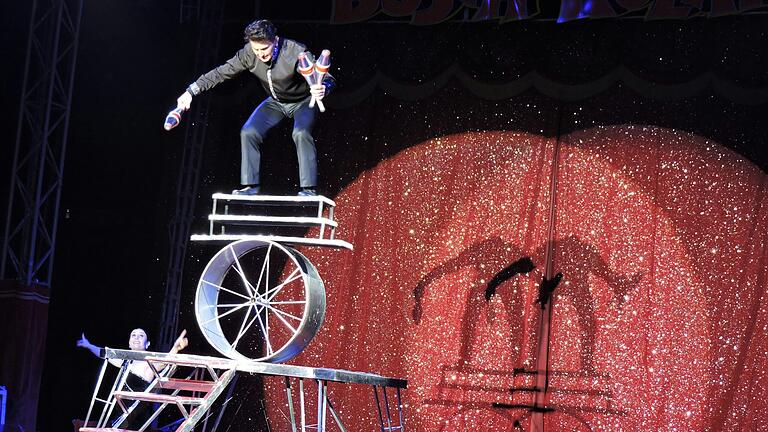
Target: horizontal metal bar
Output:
{"points": [[271, 220], [275, 199], [336, 375], [302, 241]]}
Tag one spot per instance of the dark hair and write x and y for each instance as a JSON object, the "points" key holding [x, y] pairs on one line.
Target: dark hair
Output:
{"points": [[260, 30]]}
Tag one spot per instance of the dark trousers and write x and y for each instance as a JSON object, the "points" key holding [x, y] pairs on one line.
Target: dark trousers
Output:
{"points": [[268, 114]]}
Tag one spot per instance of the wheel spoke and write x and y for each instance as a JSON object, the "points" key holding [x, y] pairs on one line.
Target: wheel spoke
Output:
{"points": [[283, 313], [243, 328], [268, 306], [225, 313], [265, 272], [279, 314], [265, 332], [264, 269], [270, 294], [227, 290], [239, 269], [228, 305], [264, 301]]}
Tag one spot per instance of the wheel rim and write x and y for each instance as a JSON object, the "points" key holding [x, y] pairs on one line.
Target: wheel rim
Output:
{"points": [[259, 300]]}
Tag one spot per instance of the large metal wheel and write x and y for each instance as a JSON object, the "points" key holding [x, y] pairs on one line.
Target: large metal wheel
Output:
{"points": [[259, 300]]}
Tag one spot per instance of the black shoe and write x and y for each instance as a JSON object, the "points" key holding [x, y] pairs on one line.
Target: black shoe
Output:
{"points": [[307, 192], [248, 190]]}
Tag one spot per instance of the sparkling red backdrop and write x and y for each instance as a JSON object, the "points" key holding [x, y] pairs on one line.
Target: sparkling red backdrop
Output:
{"points": [[659, 320]]}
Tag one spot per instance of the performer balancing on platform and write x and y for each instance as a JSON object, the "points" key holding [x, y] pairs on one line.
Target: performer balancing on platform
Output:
{"points": [[274, 61], [140, 375]]}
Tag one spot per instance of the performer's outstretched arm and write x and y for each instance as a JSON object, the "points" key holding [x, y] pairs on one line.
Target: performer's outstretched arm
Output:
{"points": [[85, 343], [96, 350], [145, 371], [180, 344], [234, 66]]}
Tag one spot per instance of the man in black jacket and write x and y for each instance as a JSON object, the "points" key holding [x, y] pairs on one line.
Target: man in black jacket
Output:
{"points": [[274, 61]]}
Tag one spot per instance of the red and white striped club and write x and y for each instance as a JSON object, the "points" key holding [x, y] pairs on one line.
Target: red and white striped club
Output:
{"points": [[322, 65], [307, 70]]}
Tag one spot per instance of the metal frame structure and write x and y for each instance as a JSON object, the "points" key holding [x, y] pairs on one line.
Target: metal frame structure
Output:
{"points": [[29, 240], [300, 417], [192, 395], [230, 213], [285, 285], [211, 18]]}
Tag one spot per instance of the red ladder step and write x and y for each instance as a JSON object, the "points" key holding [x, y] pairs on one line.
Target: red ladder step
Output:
{"points": [[186, 385], [158, 397], [193, 362]]}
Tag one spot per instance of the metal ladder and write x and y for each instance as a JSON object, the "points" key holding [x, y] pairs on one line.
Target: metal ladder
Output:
{"points": [[192, 397]]}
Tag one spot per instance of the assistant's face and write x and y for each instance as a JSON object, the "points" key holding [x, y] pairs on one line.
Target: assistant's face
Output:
{"points": [[138, 340], [263, 49]]}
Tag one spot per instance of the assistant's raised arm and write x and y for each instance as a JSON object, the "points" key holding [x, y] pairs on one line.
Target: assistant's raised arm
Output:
{"points": [[85, 343]]}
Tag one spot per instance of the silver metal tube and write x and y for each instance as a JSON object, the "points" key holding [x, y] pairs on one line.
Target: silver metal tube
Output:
{"points": [[210, 230], [320, 405], [386, 409], [400, 409], [378, 407], [96, 390], [335, 415], [291, 411], [301, 399], [119, 383]]}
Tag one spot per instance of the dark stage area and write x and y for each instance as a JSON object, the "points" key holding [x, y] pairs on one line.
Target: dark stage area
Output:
{"points": [[622, 145]]}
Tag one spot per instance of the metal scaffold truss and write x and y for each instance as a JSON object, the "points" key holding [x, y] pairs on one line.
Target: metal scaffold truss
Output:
{"points": [[31, 223]]}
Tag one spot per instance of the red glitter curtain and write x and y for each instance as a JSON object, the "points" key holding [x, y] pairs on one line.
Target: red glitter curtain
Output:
{"points": [[658, 322]]}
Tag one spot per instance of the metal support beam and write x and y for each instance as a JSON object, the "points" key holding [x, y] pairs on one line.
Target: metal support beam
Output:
{"points": [[211, 14], [29, 239], [189, 11]]}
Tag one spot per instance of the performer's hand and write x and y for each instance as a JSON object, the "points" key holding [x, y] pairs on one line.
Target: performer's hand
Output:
{"points": [[181, 342], [184, 101], [83, 342], [317, 91]]}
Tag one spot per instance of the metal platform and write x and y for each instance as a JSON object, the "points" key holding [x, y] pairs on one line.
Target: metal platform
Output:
{"points": [[276, 199], [220, 372], [272, 221], [290, 241], [240, 217]]}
